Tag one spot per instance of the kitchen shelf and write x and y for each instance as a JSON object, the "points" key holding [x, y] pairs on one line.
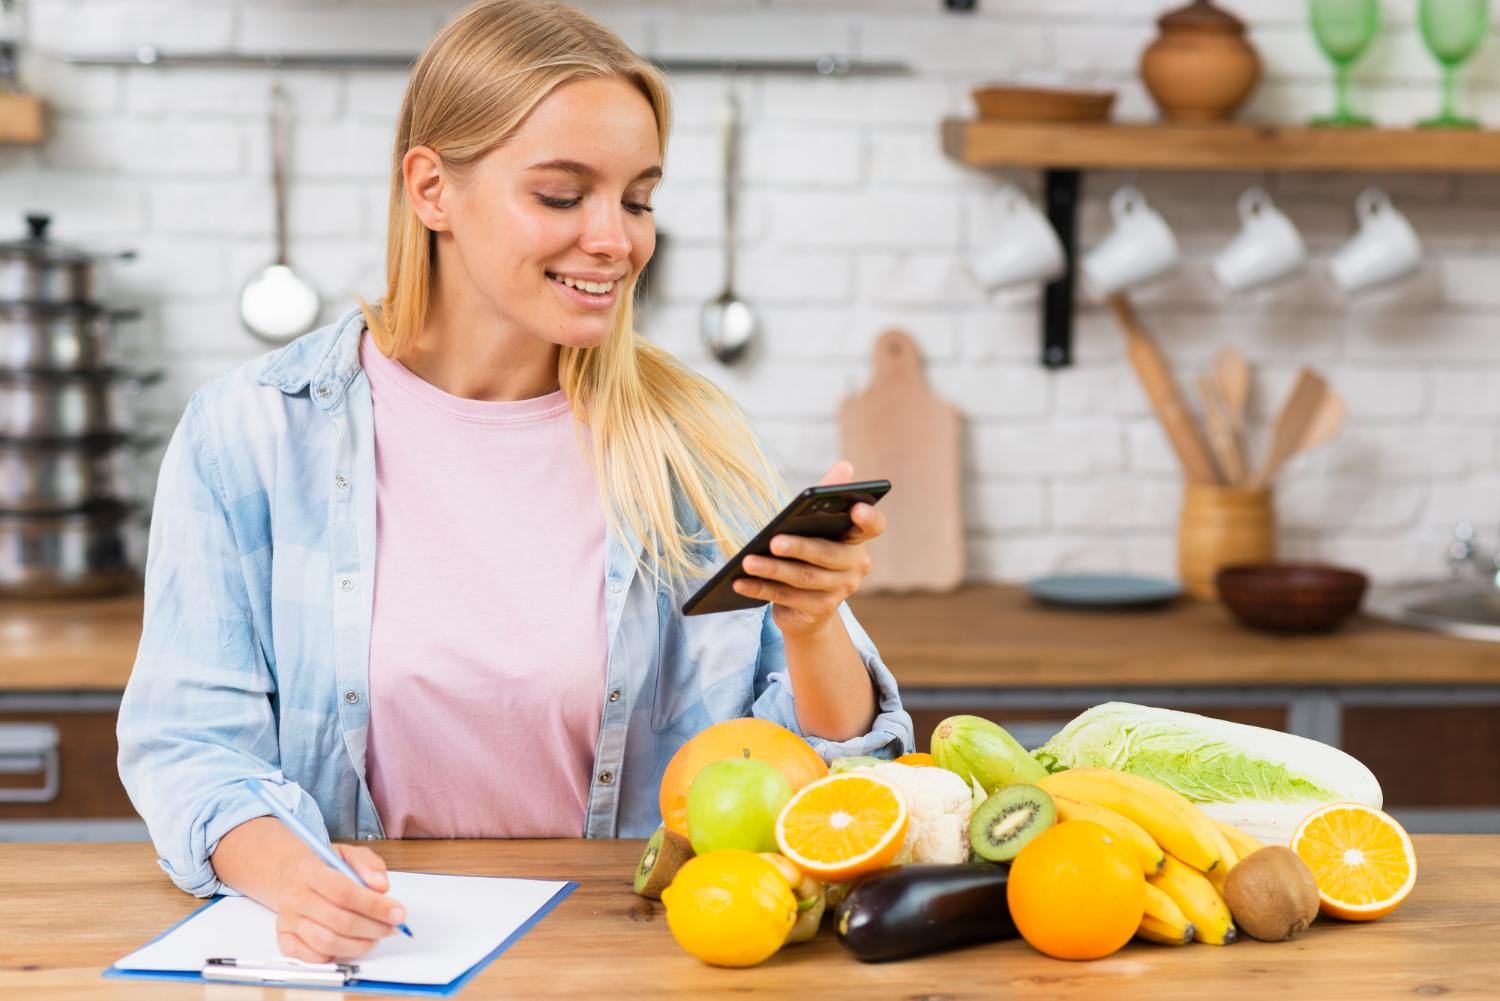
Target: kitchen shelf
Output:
{"points": [[20, 118], [1063, 150]]}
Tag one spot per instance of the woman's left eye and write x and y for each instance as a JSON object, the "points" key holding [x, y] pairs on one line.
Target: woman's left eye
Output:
{"points": [[635, 208]]}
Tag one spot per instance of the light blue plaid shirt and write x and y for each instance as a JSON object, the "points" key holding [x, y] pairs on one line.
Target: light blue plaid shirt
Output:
{"points": [[254, 656]]}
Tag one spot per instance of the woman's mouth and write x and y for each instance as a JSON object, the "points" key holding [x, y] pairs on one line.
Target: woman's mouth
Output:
{"points": [[589, 294]]}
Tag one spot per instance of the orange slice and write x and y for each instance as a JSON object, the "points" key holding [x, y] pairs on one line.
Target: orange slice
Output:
{"points": [[917, 758], [840, 827], [1361, 858]]}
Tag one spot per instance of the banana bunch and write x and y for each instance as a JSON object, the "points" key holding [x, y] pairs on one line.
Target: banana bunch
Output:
{"points": [[1184, 854]]}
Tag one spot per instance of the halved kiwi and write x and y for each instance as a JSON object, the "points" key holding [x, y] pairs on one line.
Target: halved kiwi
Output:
{"points": [[665, 853], [1007, 819]]}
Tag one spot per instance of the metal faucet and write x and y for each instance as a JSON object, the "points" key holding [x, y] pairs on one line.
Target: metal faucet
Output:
{"points": [[1465, 555]]}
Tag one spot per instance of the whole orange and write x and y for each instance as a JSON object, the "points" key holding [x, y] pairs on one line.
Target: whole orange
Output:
{"points": [[1074, 893], [736, 738]]}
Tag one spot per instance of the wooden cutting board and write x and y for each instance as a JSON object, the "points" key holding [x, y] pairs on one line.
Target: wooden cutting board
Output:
{"points": [[898, 429]]}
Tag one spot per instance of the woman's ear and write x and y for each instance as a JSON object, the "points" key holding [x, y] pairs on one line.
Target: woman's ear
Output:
{"points": [[422, 174]]}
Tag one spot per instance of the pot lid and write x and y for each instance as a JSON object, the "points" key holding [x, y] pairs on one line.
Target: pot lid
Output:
{"points": [[1201, 15], [36, 246]]}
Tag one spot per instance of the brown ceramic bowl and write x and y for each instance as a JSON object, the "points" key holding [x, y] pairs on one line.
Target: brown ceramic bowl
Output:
{"points": [[1291, 597], [1042, 104]]}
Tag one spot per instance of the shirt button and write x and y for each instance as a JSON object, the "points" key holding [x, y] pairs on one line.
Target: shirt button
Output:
{"points": [[616, 585], [351, 696], [341, 481], [324, 391], [614, 696], [346, 584], [606, 778]]}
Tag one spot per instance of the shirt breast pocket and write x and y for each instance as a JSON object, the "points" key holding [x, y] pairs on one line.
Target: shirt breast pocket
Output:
{"points": [[706, 670]]}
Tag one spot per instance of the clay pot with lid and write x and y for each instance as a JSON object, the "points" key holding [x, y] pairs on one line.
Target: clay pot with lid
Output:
{"points": [[1200, 68]]}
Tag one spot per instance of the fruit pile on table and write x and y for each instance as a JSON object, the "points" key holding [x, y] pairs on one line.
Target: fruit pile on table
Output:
{"points": [[1119, 828]]}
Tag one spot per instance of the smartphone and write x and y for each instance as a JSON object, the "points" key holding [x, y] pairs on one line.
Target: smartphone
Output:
{"points": [[819, 512]]}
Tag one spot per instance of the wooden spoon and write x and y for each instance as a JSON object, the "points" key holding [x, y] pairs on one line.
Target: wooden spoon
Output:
{"points": [[1310, 416], [1161, 389], [1221, 437]]}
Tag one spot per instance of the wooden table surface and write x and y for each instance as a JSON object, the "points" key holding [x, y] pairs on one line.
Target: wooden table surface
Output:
{"points": [[985, 636], [72, 910]]}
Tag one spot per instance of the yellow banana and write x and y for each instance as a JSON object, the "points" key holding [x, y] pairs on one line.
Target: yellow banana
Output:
{"points": [[1220, 873], [1174, 823], [1200, 902], [1164, 921], [1243, 844], [1130, 835]]}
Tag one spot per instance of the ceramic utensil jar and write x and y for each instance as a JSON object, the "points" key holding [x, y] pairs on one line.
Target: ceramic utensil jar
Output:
{"points": [[1200, 68], [1220, 526]]}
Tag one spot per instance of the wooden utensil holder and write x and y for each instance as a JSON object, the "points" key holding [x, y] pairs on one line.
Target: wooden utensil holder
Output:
{"points": [[1219, 526]]}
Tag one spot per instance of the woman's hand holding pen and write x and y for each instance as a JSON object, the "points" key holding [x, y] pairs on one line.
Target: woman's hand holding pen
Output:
{"points": [[322, 916], [807, 579]]}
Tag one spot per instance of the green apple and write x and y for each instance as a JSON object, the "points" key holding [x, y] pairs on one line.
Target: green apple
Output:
{"points": [[734, 804]]}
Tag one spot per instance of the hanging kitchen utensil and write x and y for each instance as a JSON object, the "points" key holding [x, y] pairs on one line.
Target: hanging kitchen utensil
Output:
{"points": [[278, 304], [728, 322], [1310, 416], [899, 430], [1161, 389]]}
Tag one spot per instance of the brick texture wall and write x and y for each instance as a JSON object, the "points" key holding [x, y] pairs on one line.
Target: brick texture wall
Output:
{"points": [[851, 220]]}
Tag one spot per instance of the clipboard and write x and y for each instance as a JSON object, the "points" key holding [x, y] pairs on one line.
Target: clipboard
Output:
{"points": [[266, 969]]}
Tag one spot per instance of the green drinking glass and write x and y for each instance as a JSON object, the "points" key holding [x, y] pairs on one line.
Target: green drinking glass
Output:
{"points": [[1344, 30], [1453, 31]]}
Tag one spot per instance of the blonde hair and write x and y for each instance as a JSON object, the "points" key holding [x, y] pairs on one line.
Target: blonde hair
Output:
{"points": [[658, 431]]}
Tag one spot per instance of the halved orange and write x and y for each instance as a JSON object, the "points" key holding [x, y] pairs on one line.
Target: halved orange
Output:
{"points": [[919, 759], [1362, 860], [843, 826]]}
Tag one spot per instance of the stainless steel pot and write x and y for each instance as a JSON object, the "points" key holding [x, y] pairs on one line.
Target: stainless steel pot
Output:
{"points": [[65, 555], [56, 406], [35, 269], [40, 478], [59, 338]]}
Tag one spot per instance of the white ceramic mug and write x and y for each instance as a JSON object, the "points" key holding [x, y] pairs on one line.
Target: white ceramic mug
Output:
{"points": [[1385, 248], [1026, 248], [1140, 247], [1267, 247]]}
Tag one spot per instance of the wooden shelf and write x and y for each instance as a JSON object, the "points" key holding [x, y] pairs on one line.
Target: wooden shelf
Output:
{"points": [[1232, 146], [20, 118]]}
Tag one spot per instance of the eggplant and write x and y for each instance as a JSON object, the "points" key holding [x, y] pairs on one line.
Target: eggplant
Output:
{"points": [[907, 910]]}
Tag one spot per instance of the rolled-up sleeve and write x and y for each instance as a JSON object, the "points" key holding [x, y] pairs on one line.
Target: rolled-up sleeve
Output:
{"points": [[891, 733], [197, 714]]}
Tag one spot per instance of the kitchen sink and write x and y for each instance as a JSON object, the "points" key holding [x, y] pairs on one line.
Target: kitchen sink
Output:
{"points": [[1466, 608]]}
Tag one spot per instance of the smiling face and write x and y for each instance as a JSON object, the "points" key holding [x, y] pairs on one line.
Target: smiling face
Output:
{"points": [[551, 228]]}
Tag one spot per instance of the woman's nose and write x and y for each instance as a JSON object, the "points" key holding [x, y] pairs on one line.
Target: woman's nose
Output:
{"points": [[605, 234]]}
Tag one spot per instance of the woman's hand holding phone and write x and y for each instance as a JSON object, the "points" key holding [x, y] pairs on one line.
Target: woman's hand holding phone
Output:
{"points": [[806, 579]]}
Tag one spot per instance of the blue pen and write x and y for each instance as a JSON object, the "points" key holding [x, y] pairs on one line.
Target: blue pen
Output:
{"points": [[308, 838]]}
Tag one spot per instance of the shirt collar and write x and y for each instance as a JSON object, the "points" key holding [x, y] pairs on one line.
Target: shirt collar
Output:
{"points": [[325, 360]]}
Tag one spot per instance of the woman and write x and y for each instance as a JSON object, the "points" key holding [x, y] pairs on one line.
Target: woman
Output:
{"points": [[374, 579]]}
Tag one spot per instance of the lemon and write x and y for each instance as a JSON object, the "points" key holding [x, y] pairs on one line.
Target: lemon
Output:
{"points": [[730, 908]]}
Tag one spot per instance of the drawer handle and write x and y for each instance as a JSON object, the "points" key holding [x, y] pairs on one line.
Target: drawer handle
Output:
{"points": [[30, 749], [1033, 733]]}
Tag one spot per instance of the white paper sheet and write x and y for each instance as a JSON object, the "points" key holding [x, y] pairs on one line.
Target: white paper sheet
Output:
{"points": [[455, 922]]}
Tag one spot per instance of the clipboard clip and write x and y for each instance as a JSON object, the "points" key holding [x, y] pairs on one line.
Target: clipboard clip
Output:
{"points": [[291, 972]]}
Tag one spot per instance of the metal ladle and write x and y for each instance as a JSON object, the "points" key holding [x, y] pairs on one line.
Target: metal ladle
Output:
{"points": [[278, 304], [728, 323]]}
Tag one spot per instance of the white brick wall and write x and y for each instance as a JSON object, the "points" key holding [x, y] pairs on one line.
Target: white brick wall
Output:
{"points": [[851, 221]]}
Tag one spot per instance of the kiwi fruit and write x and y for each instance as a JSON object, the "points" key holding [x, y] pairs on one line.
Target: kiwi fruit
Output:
{"points": [[1007, 819], [1271, 894], [665, 853]]}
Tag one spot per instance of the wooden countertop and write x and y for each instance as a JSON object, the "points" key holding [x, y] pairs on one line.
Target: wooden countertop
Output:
{"points": [[72, 910], [987, 636], [996, 636]]}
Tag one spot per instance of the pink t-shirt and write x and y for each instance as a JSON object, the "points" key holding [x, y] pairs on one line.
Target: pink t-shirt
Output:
{"points": [[487, 648]]}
